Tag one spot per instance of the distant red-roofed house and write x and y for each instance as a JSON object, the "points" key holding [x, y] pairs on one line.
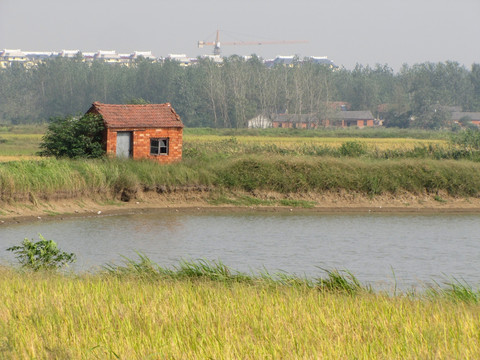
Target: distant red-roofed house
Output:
{"points": [[152, 131]]}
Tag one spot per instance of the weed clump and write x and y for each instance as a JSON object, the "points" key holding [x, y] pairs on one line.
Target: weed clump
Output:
{"points": [[41, 255], [341, 282]]}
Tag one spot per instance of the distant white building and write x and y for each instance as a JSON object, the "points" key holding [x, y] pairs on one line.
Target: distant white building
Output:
{"points": [[69, 53], [215, 58], [259, 122], [109, 56], [180, 58], [144, 54]]}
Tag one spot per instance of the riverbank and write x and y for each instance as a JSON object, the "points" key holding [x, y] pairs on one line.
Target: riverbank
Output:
{"points": [[195, 200], [46, 188]]}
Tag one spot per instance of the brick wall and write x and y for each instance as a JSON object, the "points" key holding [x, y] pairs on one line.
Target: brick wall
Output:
{"points": [[141, 143]]}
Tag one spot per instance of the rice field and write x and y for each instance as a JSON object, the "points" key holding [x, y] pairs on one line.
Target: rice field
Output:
{"points": [[47, 315], [333, 142], [22, 142]]}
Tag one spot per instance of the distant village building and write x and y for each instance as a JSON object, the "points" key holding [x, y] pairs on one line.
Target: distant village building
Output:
{"points": [[291, 60], [458, 117], [321, 60], [11, 56], [259, 122], [32, 58], [297, 121], [345, 118], [152, 131], [29, 59], [69, 53], [182, 59], [355, 118]]}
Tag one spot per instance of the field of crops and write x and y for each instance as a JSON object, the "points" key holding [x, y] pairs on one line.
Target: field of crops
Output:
{"points": [[197, 313], [205, 312], [20, 141], [333, 142]]}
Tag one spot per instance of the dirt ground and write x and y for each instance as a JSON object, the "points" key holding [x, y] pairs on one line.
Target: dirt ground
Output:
{"points": [[198, 201]]}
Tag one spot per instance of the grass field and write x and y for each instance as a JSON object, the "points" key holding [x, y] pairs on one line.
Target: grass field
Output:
{"points": [[334, 142], [200, 312], [142, 312], [20, 142], [286, 164]]}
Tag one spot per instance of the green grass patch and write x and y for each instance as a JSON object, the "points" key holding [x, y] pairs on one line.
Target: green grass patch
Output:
{"points": [[112, 178], [297, 203], [51, 213], [378, 132], [110, 202], [238, 200], [439, 199]]}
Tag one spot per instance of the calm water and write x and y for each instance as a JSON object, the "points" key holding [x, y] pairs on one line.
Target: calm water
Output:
{"points": [[416, 248]]}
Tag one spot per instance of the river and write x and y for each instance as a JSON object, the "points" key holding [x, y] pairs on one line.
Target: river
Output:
{"points": [[380, 249]]}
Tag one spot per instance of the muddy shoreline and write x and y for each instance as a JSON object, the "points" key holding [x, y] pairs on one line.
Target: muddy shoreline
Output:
{"points": [[188, 202]]}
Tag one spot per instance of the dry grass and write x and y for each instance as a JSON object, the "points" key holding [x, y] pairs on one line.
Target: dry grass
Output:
{"points": [[99, 317], [22, 143], [18, 146], [334, 142]]}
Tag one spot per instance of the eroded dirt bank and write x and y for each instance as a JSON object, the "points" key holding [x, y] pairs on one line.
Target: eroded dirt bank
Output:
{"points": [[194, 201]]}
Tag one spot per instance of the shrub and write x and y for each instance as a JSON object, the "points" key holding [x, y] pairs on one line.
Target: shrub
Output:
{"points": [[74, 137], [469, 139], [353, 148], [41, 255]]}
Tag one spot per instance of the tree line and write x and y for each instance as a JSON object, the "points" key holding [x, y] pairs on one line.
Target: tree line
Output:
{"points": [[229, 94]]}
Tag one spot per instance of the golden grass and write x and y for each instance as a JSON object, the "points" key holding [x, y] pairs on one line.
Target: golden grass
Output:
{"points": [[24, 146], [6, 158], [92, 316], [19, 145], [334, 142]]}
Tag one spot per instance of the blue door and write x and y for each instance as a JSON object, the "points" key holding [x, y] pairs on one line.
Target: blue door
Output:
{"points": [[124, 144]]}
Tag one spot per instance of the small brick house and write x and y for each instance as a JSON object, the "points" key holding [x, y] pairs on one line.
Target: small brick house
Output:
{"points": [[355, 118], [152, 131]]}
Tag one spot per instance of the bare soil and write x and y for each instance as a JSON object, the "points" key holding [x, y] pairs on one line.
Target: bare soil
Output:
{"points": [[15, 212]]}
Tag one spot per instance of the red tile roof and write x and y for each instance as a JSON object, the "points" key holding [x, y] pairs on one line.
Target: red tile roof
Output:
{"points": [[137, 116]]}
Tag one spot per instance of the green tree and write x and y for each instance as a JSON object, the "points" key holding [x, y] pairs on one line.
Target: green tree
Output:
{"points": [[74, 137]]}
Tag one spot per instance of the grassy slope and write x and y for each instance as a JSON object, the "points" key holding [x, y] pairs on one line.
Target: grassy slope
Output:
{"points": [[68, 178], [106, 316], [293, 163]]}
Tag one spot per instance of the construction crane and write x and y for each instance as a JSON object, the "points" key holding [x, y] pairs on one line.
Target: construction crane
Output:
{"points": [[216, 43]]}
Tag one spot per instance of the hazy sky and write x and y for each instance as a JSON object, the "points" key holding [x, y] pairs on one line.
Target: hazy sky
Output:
{"points": [[389, 32]]}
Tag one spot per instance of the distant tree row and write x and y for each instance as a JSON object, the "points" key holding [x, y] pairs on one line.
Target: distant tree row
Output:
{"points": [[227, 95]]}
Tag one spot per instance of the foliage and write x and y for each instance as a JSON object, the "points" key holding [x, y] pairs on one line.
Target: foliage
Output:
{"points": [[468, 139], [41, 255], [455, 290], [74, 137], [397, 119], [342, 282], [228, 95], [195, 270], [353, 148], [138, 101]]}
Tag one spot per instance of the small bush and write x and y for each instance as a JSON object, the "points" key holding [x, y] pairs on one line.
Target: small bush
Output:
{"points": [[41, 255], [353, 148], [469, 139], [74, 138]]}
